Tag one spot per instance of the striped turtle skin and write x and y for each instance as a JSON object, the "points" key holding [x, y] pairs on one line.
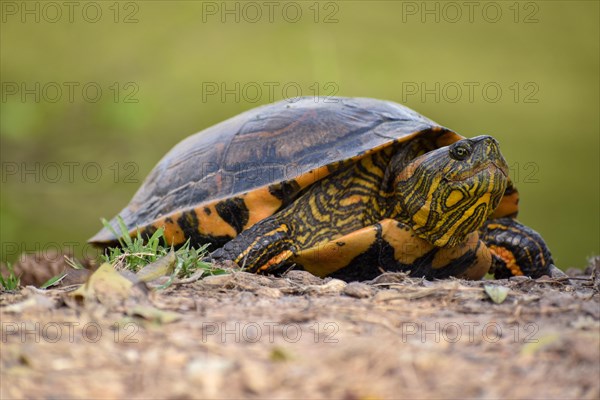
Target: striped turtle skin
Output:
{"points": [[344, 187]]}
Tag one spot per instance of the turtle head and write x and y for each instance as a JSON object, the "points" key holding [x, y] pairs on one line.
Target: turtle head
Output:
{"points": [[447, 193]]}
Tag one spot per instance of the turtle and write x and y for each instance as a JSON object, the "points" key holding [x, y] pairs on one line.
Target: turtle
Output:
{"points": [[340, 187]]}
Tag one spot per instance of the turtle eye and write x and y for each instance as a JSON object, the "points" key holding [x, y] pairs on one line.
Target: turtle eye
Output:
{"points": [[460, 151]]}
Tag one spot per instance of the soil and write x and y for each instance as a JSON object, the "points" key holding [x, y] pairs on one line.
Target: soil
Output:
{"points": [[298, 336]]}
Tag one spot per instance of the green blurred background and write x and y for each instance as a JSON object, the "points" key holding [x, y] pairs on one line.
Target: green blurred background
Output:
{"points": [[69, 160]]}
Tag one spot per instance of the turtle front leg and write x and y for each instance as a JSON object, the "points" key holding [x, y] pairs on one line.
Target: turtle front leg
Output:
{"points": [[264, 247], [390, 245], [516, 249]]}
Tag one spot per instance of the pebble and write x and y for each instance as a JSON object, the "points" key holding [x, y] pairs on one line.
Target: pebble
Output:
{"points": [[358, 290], [334, 286], [268, 292], [520, 278], [217, 280], [303, 277]]}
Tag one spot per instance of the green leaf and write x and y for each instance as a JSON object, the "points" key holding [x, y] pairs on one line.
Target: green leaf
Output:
{"points": [[496, 293], [280, 354], [105, 285], [155, 315], [158, 268], [124, 231], [53, 281]]}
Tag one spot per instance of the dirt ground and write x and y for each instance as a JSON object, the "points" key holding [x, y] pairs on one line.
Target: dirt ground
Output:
{"points": [[298, 336]]}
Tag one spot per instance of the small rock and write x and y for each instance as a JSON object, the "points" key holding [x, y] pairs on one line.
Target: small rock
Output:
{"points": [[303, 277], [333, 286], [203, 365], [254, 279], [519, 278], [217, 280], [358, 290], [268, 292], [390, 277]]}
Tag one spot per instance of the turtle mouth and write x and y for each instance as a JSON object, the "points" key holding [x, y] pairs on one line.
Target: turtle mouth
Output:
{"points": [[489, 166], [502, 168]]}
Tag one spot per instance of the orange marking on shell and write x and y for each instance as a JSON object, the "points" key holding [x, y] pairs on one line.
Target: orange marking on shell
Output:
{"points": [[211, 223], [311, 177], [172, 231], [508, 257], [261, 204]]}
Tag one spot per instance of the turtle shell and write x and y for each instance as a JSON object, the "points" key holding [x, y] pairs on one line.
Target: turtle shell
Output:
{"points": [[222, 180]]}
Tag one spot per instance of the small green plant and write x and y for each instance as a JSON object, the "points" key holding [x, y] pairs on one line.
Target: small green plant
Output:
{"points": [[12, 281], [74, 263], [55, 280], [135, 253]]}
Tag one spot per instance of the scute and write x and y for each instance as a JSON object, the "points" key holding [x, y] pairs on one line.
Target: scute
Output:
{"points": [[267, 145]]}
